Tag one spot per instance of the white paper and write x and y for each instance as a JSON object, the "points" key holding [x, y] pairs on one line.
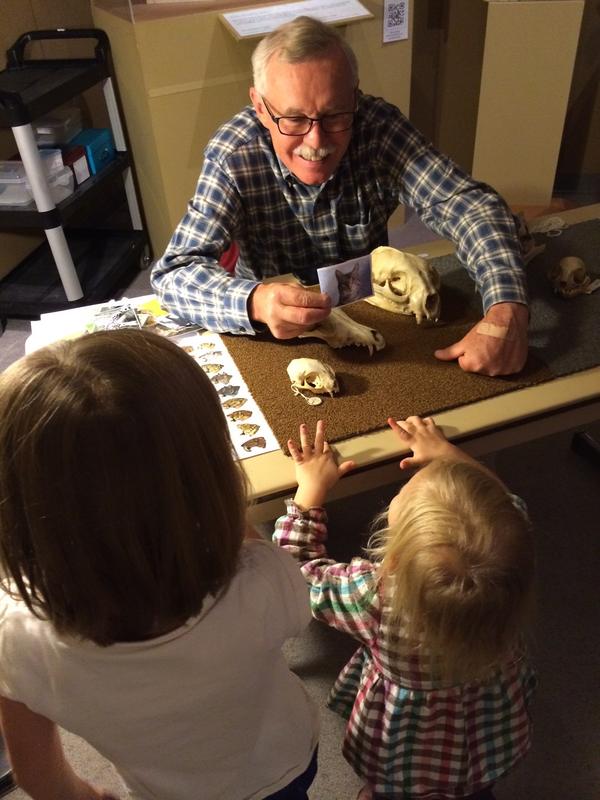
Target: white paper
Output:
{"points": [[250, 435], [259, 21], [395, 20]]}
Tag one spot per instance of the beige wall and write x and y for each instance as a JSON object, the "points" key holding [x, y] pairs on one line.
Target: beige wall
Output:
{"points": [[449, 38], [580, 150]]}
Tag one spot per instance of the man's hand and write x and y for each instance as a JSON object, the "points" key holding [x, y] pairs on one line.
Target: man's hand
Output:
{"points": [[495, 346], [287, 309]]}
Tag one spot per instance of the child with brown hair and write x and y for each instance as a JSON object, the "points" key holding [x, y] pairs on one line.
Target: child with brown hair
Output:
{"points": [[133, 613], [437, 695]]}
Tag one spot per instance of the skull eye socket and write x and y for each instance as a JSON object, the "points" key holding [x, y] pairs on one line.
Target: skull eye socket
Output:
{"points": [[399, 285]]}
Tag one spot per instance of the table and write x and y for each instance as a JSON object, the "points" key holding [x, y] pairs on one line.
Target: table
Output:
{"points": [[482, 427]]}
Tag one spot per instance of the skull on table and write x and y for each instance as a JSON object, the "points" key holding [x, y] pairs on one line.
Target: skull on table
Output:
{"points": [[310, 378], [405, 284], [340, 330], [569, 277]]}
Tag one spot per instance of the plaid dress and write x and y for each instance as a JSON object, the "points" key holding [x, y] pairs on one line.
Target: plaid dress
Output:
{"points": [[407, 735]]}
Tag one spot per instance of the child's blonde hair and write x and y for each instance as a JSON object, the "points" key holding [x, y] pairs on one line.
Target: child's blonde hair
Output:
{"points": [[121, 506], [457, 567]]}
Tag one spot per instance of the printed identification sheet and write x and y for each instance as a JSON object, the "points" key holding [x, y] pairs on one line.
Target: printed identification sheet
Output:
{"points": [[250, 432]]}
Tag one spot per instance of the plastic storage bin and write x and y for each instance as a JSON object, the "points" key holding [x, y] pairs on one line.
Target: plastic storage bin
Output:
{"points": [[61, 184], [58, 127], [99, 147], [52, 160], [15, 189], [14, 186]]}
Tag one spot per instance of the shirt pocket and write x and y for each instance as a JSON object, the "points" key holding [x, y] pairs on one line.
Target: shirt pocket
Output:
{"points": [[368, 232]]}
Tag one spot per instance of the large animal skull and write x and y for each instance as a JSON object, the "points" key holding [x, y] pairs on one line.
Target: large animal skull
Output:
{"points": [[569, 277], [310, 377], [340, 330], [405, 284]]}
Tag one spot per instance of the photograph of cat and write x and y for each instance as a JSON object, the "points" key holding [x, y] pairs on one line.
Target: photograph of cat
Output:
{"points": [[349, 285], [348, 282]]}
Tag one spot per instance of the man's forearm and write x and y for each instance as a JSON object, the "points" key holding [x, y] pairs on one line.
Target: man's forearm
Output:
{"points": [[204, 295]]}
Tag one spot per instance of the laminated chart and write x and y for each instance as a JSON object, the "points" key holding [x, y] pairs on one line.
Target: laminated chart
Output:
{"points": [[250, 432]]}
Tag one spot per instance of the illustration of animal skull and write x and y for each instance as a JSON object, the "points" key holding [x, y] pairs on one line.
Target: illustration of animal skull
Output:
{"points": [[405, 284], [569, 277], [340, 330], [310, 378]]}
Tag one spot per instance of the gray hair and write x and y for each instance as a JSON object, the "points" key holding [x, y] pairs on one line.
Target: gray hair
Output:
{"points": [[302, 39]]}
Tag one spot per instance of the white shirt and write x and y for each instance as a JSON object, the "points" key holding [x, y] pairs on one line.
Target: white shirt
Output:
{"points": [[210, 710]]}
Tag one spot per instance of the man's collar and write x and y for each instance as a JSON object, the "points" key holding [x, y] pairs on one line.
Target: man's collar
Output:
{"points": [[291, 179]]}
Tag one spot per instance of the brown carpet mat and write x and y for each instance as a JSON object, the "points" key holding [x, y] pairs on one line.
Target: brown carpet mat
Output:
{"points": [[405, 378]]}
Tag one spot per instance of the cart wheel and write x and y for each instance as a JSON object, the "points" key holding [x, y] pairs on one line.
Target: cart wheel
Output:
{"points": [[145, 258]]}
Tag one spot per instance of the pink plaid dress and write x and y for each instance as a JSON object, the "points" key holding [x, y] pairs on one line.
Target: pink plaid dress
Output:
{"points": [[407, 736]]}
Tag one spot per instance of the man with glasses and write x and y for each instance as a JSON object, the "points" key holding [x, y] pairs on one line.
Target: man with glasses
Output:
{"points": [[309, 176]]}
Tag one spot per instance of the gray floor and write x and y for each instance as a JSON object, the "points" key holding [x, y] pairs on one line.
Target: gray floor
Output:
{"points": [[562, 490]]}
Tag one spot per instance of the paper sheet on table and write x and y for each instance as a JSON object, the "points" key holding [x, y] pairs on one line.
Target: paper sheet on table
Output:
{"points": [[251, 22]]}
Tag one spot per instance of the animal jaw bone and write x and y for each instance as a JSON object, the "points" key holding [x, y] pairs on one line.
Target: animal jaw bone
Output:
{"points": [[569, 277], [311, 378], [340, 330], [405, 284]]}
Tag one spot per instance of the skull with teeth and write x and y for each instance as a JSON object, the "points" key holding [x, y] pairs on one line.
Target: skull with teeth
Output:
{"points": [[340, 330], [311, 378], [569, 277], [405, 284]]}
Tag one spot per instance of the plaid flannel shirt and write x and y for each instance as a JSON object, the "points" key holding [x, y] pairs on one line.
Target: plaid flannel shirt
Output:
{"points": [[407, 735], [247, 195]]}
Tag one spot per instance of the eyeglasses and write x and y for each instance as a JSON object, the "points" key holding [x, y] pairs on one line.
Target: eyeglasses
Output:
{"points": [[300, 126]]}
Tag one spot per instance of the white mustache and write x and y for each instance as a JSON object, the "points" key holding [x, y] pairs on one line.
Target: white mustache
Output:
{"points": [[313, 154]]}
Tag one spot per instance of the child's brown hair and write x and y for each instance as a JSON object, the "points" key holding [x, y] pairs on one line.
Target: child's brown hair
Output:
{"points": [[457, 564], [121, 506]]}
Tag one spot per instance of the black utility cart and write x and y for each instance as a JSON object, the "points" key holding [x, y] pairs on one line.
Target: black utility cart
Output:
{"points": [[75, 266]]}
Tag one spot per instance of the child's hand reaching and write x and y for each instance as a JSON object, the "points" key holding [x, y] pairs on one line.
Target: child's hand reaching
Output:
{"points": [[316, 468], [424, 438]]}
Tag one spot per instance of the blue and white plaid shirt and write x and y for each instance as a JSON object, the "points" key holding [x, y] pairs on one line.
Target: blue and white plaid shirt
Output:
{"points": [[245, 194]]}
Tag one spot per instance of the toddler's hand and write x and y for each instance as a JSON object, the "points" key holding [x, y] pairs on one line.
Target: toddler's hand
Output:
{"points": [[424, 438], [316, 468]]}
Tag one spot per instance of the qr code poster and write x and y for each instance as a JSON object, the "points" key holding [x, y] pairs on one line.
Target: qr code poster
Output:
{"points": [[395, 20]]}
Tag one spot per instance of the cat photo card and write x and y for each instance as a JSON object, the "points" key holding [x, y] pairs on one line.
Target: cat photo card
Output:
{"points": [[348, 282]]}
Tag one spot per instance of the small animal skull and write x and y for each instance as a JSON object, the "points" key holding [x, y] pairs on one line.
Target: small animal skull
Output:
{"points": [[340, 330], [569, 277], [405, 284], [311, 378]]}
